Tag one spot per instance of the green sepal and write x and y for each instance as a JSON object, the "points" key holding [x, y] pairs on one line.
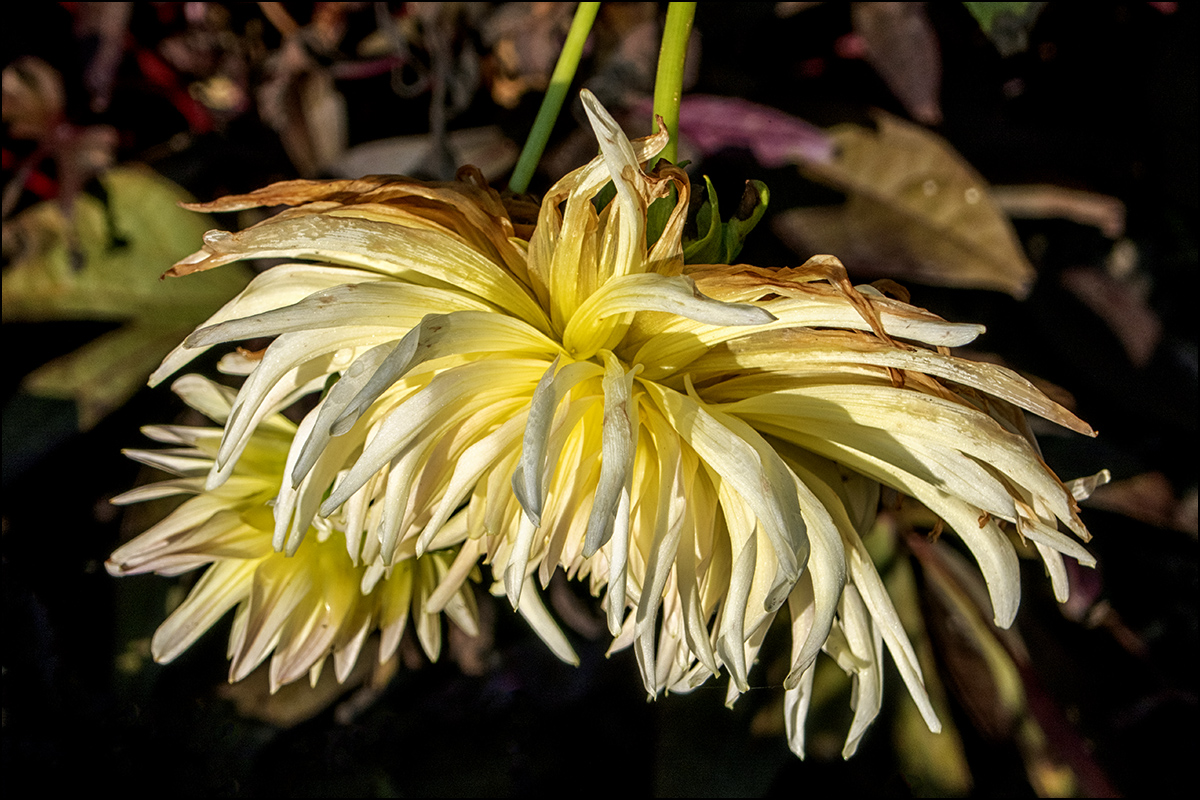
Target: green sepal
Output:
{"points": [[706, 248], [720, 243], [753, 205]]}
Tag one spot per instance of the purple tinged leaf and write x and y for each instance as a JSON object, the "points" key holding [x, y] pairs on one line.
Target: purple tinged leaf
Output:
{"points": [[713, 123]]}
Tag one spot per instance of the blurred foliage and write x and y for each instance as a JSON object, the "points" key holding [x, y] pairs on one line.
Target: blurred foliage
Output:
{"points": [[104, 261], [1006, 24]]}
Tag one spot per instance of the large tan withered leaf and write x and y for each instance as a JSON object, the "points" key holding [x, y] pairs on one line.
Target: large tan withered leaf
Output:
{"points": [[915, 210]]}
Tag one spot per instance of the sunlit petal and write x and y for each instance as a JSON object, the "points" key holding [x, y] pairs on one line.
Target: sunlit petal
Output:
{"points": [[701, 444]]}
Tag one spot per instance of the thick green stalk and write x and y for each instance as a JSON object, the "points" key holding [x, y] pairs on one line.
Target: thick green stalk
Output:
{"points": [[560, 82], [668, 83]]}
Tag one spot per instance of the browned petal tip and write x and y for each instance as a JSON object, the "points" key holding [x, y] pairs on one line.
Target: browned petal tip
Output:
{"points": [[1065, 418], [199, 261]]}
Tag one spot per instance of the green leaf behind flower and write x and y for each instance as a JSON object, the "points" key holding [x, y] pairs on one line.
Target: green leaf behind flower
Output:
{"points": [[103, 261], [1006, 24]]}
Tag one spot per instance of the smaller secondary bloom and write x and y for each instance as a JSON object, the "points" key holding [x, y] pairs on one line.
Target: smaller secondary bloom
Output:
{"points": [[298, 609]]}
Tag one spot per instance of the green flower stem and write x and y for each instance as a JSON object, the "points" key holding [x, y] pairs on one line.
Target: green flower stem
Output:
{"points": [[560, 82], [668, 83], [668, 92]]}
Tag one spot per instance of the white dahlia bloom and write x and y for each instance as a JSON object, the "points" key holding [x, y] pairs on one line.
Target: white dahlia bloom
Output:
{"points": [[703, 444]]}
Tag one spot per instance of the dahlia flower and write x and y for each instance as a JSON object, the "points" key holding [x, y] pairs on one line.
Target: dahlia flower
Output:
{"points": [[317, 602], [703, 444]]}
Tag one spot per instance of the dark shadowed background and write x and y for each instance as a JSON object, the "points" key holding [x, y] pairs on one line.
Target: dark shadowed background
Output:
{"points": [[1100, 105]]}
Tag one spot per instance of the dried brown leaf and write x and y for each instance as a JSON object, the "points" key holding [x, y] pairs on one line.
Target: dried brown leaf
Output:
{"points": [[627, 37], [301, 102], [1123, 307], [525, 40], [109, 24], [486, 148], [33, 98], [903, 49], [915, 210], [1040, 201], [1150, 498]]}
